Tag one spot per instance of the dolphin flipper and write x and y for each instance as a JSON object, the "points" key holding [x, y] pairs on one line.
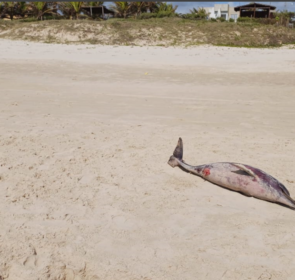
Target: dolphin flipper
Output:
{"points": [[245, 169]]}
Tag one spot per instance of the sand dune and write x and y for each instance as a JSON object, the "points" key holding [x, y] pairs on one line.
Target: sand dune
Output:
{"points": [[85, 136]]}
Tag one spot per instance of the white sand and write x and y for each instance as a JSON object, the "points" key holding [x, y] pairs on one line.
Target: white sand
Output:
{"points": [[85, 136]]}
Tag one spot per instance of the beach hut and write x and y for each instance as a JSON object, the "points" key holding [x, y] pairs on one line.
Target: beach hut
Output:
{"points": [[97, 11], [256, 10]]}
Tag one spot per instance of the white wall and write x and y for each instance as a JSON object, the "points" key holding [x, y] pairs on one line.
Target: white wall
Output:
{"points": [[210, 10], [233, 14], [217, 10]]}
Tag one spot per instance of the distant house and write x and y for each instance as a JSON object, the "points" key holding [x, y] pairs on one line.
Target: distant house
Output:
{"points": [[256, 10], [222, 10]]}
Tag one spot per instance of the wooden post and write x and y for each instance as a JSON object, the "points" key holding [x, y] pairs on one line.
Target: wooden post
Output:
{"points": [[102, 12]]}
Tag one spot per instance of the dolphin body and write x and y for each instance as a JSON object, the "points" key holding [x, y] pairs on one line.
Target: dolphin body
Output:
{"points": [[238, 177]]}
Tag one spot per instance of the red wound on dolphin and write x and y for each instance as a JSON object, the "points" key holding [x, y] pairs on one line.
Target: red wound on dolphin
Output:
{"points": [[206, 171]]}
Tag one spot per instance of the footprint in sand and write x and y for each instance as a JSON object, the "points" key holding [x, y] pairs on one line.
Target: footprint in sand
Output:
{"points": [[31, 262]]}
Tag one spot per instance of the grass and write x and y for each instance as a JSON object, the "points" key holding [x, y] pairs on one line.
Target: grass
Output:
{"points": [[151, 32]]}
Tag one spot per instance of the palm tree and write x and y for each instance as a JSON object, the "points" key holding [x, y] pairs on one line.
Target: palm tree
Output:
{"points": [[39, 9], [199, 13], [53, 6], [10, 8], [77, 7], [1, 8], [139, 7], [66, 9], [71, 9], [22, 9], [152, 6], [164, 7], [122, 9], [194, 11]]}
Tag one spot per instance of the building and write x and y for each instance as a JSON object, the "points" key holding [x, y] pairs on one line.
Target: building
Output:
{"points": [[256, 10], [98, 11], [223, 11], [232, 13]]}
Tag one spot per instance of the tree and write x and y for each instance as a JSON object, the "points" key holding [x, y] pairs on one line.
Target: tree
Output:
{"points": [[152, 6], [1, 9], [199, 13], [22, 9], [138, 8], [38, 9], [284, 16], [71, 9], [122, 9], [66, 9], [10, 9], [164, 7], [77, 8]]}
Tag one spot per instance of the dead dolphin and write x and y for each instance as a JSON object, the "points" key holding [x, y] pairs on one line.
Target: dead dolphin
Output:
{"points": [[238, 177]]}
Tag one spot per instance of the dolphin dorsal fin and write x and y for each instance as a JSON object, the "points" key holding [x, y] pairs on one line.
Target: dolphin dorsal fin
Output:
{"points": [[245, 169]]}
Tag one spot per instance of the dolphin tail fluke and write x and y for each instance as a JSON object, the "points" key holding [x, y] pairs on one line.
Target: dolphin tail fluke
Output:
{"points": [[178, 152], [176, 158]]}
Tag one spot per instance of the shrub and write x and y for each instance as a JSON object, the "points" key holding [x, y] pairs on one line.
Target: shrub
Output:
{"points": [[222, 19], [231, 20], [54, 17], [213, 19], [147, 15], [28, 20], [192, 16], [162, 14], [257, 20], [266, 20], [245, 19]]}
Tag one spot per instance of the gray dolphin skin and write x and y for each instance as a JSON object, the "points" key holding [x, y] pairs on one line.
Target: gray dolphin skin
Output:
{"points": [[238, 177]]}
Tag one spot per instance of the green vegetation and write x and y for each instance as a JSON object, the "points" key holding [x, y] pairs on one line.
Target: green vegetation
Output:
{"points": [[280, 18], [136, 10], [138, 23], [198, 13], [168, 31], [38, 9], [73, 10], [221, 19]]}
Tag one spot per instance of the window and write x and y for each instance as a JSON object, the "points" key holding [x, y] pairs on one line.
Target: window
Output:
{"points": [[234, 16], [223, 15]]}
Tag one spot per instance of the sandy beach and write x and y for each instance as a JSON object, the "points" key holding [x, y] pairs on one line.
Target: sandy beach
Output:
{"points": [[85, 136]]}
